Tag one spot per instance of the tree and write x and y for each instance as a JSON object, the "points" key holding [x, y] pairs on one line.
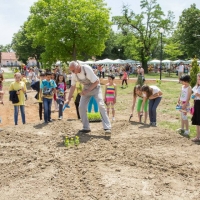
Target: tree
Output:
{"points": [[187, 31], [23, 46], [69, 29], [6, 48], [143, 29], [173, 49], [193, 72]]}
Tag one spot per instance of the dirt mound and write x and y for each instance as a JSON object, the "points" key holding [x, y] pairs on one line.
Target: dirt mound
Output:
{"points": [[138, 162]]}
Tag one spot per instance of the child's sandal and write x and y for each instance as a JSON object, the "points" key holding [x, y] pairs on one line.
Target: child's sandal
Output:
{"points": [[196, 139]]}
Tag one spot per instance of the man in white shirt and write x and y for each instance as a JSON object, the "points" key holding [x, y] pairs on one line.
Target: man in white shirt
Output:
{"points": [[85, 75], [180, 70]]}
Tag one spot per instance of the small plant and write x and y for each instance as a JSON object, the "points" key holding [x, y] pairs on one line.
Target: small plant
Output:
{"points": [[94, 117], [158, 82]]}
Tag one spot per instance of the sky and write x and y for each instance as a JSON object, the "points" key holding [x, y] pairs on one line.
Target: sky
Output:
{"points": [[14, 13]]}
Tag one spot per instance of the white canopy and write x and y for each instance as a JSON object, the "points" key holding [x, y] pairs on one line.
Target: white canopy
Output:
{"points": [[118, 61], [104, 61], [166, 61], [130, 61], [154, 61], [178, 61]]}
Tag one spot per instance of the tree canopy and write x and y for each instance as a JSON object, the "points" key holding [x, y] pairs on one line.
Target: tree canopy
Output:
{"points": [[69, 29], [23, 46], [143, 29], [188, 31]]}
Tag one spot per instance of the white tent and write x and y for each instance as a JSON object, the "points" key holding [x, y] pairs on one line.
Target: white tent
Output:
{"points": [[177, 61], [104, 61], [130, 61], [118, 61], [166, 61], [154, 61], [188, 61]]}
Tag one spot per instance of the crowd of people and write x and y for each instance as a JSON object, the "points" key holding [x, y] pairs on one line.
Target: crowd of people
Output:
{"points": [[84, 87]]}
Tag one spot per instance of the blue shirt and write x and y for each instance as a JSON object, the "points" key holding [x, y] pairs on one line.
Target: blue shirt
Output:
{"points": [[47, 88]]}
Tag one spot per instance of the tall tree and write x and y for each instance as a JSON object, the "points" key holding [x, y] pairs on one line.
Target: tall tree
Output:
{"points": [[143, 28], [188, 31], [6, 48], [23, 46], [69, 29]]}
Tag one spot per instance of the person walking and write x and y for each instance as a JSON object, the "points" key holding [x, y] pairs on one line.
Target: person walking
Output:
{"points": [[85, 75]]}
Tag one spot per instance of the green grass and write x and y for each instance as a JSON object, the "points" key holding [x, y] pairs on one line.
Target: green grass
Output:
{"points": [[167, 116], [9, 75], [153, 75]]}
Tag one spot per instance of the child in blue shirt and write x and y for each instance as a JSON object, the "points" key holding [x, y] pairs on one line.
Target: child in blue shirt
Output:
{"points": [[47, 89]]}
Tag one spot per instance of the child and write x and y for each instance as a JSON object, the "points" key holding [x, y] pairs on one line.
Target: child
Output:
{"points": [[54, 77], [77, 97], [111, 95], [137, 92], [24, 79], [183, 101], [1, 88], [154, 94], [47, 88], [20, 88], [124, 78], [61, 94], [36, 86], [196, 115]]}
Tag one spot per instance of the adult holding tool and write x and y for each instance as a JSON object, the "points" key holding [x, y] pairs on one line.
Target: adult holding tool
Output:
{"points": [[85, 75]]}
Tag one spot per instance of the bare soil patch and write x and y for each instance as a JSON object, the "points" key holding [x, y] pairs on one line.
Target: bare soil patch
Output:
{"points": [[137, 162]]}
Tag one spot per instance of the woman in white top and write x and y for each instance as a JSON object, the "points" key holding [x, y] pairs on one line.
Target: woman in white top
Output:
{"points": [[154, 94], [196, 115]]}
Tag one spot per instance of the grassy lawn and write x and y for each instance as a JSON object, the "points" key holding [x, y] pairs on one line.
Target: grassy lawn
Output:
{"points": [[152, 75], [167, 116], [8, 75]]}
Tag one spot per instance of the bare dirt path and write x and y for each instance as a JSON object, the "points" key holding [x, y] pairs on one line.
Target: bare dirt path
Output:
{"points": [[137, 162]]}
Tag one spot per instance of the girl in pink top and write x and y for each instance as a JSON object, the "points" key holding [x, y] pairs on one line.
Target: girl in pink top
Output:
{"points": [[124, 78]]}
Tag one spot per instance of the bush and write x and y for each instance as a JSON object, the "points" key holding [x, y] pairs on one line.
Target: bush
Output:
{"points": [[193, 72]]}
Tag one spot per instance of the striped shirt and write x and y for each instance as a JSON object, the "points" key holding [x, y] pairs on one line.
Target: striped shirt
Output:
{"points": [[110, 93]]}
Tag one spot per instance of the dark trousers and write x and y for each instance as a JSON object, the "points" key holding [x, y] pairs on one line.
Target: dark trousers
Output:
{"points": [[153, 104], [77, 110], [124, 80], [47, 109], [40, 110]]}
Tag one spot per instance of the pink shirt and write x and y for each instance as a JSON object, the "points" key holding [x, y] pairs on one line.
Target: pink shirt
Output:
{"points": [[125, 75]]}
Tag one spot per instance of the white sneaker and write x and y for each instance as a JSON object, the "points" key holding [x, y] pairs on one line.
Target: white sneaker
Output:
{"points": [[186, 133], [180, 131], [60, 117], [113, 119]]}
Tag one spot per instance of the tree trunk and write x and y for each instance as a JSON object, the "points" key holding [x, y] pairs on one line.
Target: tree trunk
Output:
{"points": [[144, 64]]}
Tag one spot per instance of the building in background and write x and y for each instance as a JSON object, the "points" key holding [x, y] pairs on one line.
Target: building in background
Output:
{"points": [[9, 59]]}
